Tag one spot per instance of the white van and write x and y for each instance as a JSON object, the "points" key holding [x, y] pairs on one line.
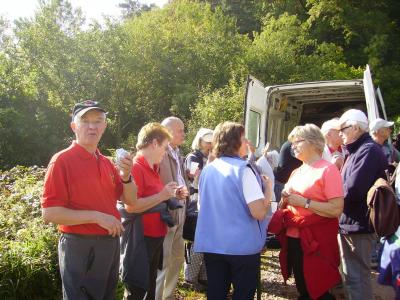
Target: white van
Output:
{"points": [[272, 112]]}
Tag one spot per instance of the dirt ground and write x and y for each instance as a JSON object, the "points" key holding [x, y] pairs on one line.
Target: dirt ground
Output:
{"points": [[274, 288]]}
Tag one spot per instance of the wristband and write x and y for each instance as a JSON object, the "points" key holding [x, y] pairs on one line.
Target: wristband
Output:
{"points": [[307, 205], [128, 181]]}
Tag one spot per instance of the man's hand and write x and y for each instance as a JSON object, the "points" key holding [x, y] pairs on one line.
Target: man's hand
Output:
{"points": [[110, 223], [181, 192], [125, 166], [338, 161]]}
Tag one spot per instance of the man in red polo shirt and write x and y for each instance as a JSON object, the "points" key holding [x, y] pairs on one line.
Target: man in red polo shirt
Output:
{"points": [[80, 193]]}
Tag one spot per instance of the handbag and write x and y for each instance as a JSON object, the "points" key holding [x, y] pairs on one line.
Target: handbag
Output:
{"points": [[189, 227]]}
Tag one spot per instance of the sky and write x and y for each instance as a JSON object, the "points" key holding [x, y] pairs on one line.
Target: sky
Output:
{"points": [[92, 9]]}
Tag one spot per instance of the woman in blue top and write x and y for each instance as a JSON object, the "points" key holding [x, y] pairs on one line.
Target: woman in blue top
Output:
{"points": [[231, 226]]}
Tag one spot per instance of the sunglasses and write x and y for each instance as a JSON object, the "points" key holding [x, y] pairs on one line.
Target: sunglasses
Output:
{"points": [[344, 128]]}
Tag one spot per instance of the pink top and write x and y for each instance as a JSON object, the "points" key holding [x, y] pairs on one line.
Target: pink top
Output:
{"points": [[319, 182]]}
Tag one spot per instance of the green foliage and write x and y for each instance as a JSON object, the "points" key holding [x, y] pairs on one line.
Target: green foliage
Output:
{"points": [[224, 104], [158, 62], [368, 32], [176, 52], [285, 52], [246, 13], [28, 259]]}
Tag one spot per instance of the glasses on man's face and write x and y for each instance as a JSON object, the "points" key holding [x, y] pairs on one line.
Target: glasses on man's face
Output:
{"points": [[296, 143], [344, 128]]}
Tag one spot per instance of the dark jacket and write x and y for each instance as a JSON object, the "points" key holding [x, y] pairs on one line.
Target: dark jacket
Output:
{"points": [[198, 157], [134, 262], [287, 163], [364, 164]]}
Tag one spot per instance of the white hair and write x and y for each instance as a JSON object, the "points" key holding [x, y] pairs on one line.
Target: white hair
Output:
{"points": [[363, 126], [167, 122], [273, 158]]}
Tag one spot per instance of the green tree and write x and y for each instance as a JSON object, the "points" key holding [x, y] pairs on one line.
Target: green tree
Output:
{"points": [[133, 8], [246, 13], [369, 33], [176, 52], [286, 52], [214, 107]]}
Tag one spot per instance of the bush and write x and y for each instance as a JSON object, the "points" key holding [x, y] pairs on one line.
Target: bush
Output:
{"points": [[28, 247]]}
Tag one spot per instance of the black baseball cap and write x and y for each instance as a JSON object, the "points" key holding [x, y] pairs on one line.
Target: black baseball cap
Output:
{"points": [[83, 107]]}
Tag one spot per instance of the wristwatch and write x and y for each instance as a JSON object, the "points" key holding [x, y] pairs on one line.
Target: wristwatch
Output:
{"points": [[307, 205], [128, 181]]}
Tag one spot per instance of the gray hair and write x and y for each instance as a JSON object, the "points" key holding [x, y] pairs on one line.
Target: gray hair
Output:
{"points": [[78, 118], [311, 133]]}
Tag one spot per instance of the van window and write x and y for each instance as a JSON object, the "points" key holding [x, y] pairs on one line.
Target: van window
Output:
{"points": [[254, 127]]}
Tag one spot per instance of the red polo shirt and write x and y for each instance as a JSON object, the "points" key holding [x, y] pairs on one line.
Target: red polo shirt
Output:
{"points": [[78, 180], [148, 183]]}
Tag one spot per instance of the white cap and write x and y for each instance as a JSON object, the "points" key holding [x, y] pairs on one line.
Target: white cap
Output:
{"points": [[353, 115], [330, 124], [205, 134], [207, 137], [379, 123]]}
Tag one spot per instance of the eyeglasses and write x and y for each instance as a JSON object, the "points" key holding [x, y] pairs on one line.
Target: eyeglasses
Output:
{"points": [[295, 143], [344, 128]]}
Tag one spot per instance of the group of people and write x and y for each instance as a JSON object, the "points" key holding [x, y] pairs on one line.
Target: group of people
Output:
{"points": [[127, 218], [322, 222]]}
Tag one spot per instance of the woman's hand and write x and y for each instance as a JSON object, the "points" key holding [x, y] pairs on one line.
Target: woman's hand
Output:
{"points": [[197, 173], [267, 181], [169, 190], [296, 200], [268, 188]]}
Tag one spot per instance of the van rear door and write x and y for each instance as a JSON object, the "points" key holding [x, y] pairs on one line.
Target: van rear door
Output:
{"points": [[374, 99], [255, 116], [369, 91]]}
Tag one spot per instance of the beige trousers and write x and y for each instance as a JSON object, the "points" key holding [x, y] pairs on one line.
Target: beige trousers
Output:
{"points": [[173, 258]]}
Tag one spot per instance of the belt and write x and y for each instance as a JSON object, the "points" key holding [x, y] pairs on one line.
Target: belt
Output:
{"points": [[88, 236]]}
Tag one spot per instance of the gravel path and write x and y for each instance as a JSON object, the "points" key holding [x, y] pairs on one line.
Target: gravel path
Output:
{"points": [[273, 288]]}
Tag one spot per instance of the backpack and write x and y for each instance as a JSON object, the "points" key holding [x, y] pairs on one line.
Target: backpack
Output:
{"points": [[383, 211]]}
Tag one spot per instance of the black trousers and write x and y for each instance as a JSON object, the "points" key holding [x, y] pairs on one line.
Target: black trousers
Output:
{"points": [[154, 251], [239, 270], [295, 260]]}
